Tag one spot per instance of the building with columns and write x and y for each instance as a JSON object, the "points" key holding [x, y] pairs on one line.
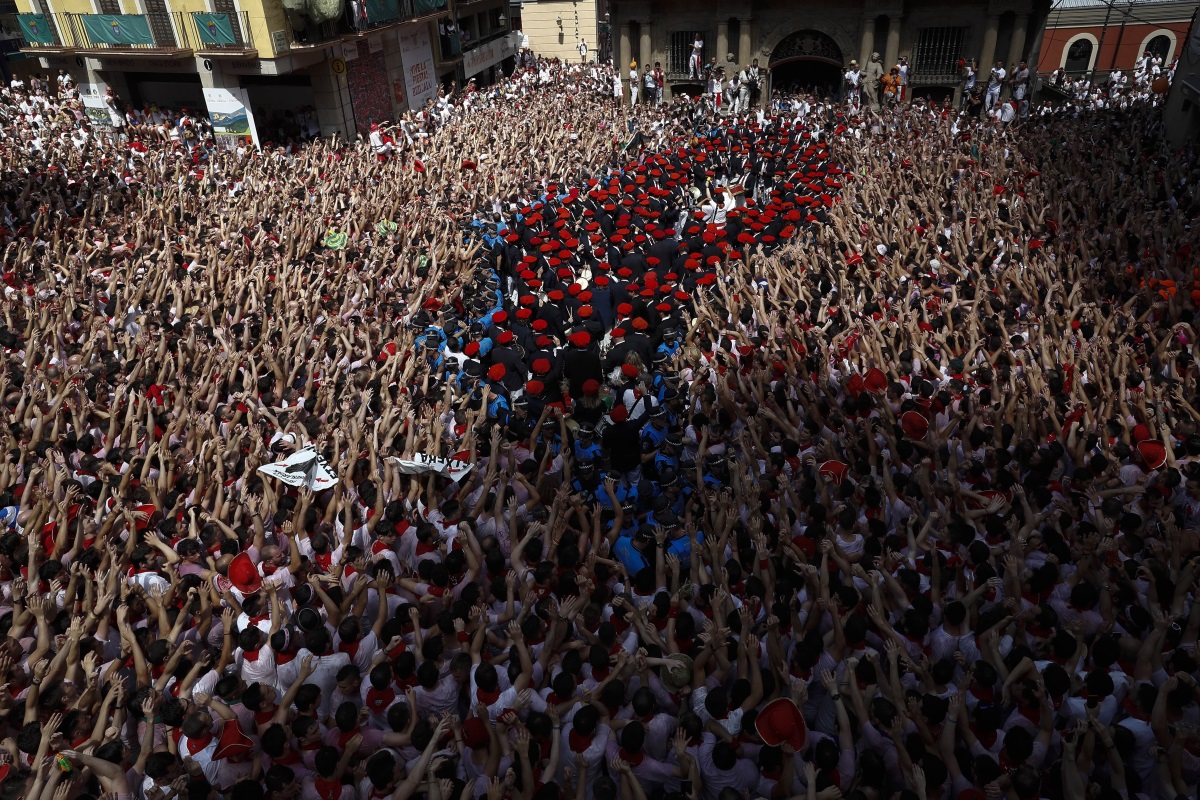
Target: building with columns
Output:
{"points": [[810, 44]]}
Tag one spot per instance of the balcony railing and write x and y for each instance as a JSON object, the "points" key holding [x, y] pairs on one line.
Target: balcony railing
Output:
{"points": [[217, 33], [362, 16], [155, 32]]}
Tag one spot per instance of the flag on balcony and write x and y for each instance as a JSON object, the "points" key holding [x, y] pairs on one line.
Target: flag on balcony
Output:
{"points": [[214, 30], [36, 28], [428, 6], [118, 29], [382, 10]]}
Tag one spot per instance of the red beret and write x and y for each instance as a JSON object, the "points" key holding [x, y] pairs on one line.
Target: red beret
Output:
{"points": [[472, 349], [591, 387], [617, 333], [619, 413], [585, 311], [640, 324], [534, 388], [496, 372], [624, 309], [524, 313], [580, 338], [505, 337], [555, 295], [540, 325], [541, 366], [629, 370], [500, 317]]}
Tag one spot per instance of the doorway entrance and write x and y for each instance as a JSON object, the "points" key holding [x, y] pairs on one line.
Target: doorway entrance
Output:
{"points": [[807, 61]]}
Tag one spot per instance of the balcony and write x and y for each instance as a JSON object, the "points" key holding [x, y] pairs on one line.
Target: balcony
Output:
{"points": [[357, 18], [158, 34], [222, 35]]}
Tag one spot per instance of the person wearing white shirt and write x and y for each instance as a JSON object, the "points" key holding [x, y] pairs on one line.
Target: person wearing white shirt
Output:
{"points": [[995, 81], [326, 665]]}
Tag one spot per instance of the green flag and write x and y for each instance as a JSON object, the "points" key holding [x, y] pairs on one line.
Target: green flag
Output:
{"points": [[36, 28], [428, 6], [382, 10], [130, 29], [214, 30]]}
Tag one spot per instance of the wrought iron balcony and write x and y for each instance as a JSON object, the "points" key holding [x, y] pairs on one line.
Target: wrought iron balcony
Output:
{"points": [[134, 34], [222, 34]]}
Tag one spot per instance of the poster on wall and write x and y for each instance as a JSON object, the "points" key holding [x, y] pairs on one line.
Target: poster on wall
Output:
{"points": [[231, 117], [94, 106], [420, 76]]}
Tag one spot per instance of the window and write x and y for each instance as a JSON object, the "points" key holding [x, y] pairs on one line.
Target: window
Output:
{"points": [[679, 51], [735, 42], [936, 56], [1079, 56], [1160, 46], [110, 7]]}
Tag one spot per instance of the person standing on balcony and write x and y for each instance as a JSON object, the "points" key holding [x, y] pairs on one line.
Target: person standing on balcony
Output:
{"points": [[696, 62], [1020, 81], [659, 77], [852, 81], [969, 76], [634, 83], [583, 50], [903, 77], [994, 83]]}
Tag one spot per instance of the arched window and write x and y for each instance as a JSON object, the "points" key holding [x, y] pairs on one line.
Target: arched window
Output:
{"points": [[1160, 46], [1079, 56]]}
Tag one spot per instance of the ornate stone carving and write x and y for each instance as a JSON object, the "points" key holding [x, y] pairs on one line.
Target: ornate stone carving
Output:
{"points": [[844, 30], [806, 44]]}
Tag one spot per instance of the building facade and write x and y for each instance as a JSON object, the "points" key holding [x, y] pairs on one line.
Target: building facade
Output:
{"points": [[554, 28], [810, 44], [263, 68], [1098, 36]]}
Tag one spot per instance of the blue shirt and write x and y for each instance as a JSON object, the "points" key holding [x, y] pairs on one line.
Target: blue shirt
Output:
{"points": [[629, 555]]}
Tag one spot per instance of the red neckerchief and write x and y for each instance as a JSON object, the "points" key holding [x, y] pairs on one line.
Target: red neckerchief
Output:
{"points": [[379, 699], [350, 648], [291, 757], [579, 742], [632, 759], [487, 698], [196, 745], [250, 655], [345, 736], [263, 717], [328, 789]]}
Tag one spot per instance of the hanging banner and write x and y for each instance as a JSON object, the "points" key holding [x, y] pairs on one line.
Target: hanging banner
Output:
{"points": [[422, 463], [428, 6], [36, 28], [94, 105], [130, 29], [215, 30], [382, 10], [420, 76], [230, 112], [305, 467], [488, 54]]}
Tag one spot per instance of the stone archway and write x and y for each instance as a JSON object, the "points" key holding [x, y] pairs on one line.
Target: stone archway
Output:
{"points": [[807, 45], [807, 60]]}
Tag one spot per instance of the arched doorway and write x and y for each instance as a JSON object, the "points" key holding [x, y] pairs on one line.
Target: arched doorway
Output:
{"points": [[807, 60]]}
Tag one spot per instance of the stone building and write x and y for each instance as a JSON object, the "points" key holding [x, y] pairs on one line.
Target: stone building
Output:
{"points": [[808, 43]]}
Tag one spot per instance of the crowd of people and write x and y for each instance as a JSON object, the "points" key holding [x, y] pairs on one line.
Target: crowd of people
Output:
{"points": [[833, 453]]}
